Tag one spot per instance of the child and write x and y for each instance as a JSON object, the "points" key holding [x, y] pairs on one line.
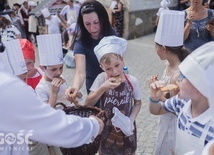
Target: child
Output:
{"points": [[194, 116], [119, 93], [172, 50], [52, 86], [34, 74], [52, 22], [164, 6]]}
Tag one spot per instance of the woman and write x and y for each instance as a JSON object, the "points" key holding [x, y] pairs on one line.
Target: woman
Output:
{"points": [[117, 14], [195, 32], [7, 30], [93, 24], [17, 23]]}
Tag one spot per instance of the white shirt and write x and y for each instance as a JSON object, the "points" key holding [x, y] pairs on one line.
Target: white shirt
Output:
{"points": [[53, 24], [22, 110], [67, 8], [43, 92]]}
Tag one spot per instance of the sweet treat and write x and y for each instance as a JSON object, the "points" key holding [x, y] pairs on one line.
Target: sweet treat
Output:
{"points": [[169, 87], [62, 80], [73, 97], [117, 78]]}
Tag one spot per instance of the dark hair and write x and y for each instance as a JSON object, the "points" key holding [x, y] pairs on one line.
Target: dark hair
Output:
{"points": [[180, 51], [16, 4], [4, 23], [83, 35]]}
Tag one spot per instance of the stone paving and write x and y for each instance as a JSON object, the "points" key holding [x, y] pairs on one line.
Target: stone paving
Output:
{"points": [[142, 62]]}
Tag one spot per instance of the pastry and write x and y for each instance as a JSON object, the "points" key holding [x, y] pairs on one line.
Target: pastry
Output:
{"points": [[169, 87]]}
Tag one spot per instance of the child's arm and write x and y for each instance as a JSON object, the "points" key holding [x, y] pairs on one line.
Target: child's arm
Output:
{"points": [[94, 96], [135, 110]]}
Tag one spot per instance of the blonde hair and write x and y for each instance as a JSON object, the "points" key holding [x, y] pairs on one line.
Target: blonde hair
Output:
{"points": [[106, 59]]}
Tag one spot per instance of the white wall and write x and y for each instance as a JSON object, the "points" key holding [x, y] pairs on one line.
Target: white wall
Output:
{"points": [[135, 5]]}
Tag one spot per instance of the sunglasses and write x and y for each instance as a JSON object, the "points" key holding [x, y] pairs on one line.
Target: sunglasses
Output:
{"points": [[181, 77], [87, 7]]}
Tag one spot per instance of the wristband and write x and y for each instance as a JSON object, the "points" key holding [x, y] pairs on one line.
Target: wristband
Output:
{"points": [[153, 101]]}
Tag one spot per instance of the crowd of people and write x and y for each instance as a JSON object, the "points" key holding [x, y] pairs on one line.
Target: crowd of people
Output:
{"points": [[183, 95]]}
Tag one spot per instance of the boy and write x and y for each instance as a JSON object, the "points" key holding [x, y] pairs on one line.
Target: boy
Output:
{"points": [[194, 115], [116, 92], [34, 74], [52, 22], [52, 86]]}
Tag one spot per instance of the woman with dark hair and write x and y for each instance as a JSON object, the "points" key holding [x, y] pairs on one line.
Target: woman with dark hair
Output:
{"points": [[93, 24]]}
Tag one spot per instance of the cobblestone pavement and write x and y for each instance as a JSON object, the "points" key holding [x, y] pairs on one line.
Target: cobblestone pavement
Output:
{"points": [[142, 62]]}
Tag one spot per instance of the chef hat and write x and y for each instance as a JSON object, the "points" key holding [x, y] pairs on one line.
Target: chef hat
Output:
{"points": [[193, 67], [46, 13], [110, 44], [170, 28], [209, 78], [12, 58], [31, 3], [165, 3], [27, 49], [50, 49]]}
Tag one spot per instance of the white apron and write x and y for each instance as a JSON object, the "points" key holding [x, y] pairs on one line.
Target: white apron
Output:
{"points": [[186, 142], [71, 13], [32, 24]]}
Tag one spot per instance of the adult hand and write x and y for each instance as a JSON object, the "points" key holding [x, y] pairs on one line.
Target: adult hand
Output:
{"points": [[190, 16], [100, 123], [72, 90]]}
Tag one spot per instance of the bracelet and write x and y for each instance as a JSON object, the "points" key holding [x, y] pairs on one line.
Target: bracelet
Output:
{"points": [[153, 101]]}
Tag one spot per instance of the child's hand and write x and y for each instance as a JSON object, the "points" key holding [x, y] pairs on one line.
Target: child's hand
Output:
{"points": [[155, 92], [110, 84], [55, 85], [153, 78]]}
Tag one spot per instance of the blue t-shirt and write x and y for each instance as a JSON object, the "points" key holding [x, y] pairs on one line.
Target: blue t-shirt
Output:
{"points": [[198, 35], [92, 64]]}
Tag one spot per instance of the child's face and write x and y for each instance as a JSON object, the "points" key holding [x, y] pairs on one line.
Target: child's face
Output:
{"points": [[30, 67], [115, 67], [52, 71], [187, 90]]}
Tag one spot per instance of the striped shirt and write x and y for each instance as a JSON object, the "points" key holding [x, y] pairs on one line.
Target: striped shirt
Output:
{"points": [[9, 33], [193, 126]]}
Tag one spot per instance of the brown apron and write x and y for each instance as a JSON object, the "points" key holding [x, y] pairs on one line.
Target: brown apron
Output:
{"points": [[113, 140]]}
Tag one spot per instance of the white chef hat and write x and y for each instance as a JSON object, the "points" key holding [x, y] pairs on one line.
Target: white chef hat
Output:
{"points": [[31, 3], [110, 44], [46, 12], [165, 3], [170, 28], [193, 67], [50, 49], [13, 58]]}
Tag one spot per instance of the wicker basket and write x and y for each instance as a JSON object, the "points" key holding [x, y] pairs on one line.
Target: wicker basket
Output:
{"points": [[84, 111]]}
